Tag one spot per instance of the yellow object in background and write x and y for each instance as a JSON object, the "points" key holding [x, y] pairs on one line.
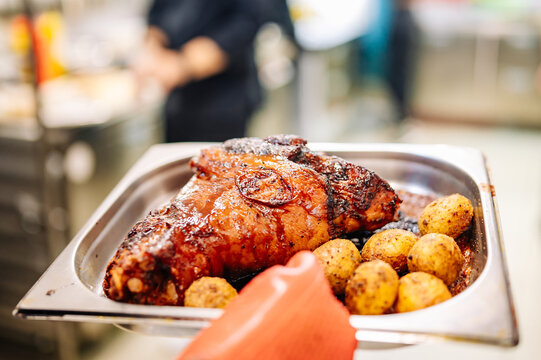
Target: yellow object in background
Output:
{"points": [[49, 35], [19, 39]]}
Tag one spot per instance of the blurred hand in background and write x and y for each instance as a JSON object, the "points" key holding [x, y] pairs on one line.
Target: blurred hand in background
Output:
{"points": [[198, 59]]}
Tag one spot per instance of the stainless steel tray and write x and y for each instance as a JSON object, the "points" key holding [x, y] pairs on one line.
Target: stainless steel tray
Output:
{"points": [[71, 288]]}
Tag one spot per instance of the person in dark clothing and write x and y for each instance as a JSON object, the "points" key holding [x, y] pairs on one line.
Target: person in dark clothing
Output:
{"points": [[202, 52], [388, 51], [402, 47]]}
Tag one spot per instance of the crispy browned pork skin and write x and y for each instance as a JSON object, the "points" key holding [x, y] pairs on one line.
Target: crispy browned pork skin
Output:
{"points": [[251, 204]]}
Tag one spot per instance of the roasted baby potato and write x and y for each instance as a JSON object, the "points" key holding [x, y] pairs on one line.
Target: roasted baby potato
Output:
{"points": [[436, 254], [209, 292], [339, 259], [372, 289], [391, 246], [419, 290], [450, 215]]}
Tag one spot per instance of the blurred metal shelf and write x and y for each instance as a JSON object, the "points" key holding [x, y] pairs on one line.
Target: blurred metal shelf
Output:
{"points": [[56, 165], [42, 205]]}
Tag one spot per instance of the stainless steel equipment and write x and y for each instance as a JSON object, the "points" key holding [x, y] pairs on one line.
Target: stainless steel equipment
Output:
{"points": [[39, 202], [71, 288]]}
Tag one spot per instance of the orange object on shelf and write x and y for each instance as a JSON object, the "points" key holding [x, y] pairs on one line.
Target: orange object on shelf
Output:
{"points": [[48, 33], [286, 312], [19, 39]]}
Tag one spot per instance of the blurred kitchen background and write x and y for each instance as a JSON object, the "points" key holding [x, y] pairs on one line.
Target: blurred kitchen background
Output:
{"points": [[73, 119]]}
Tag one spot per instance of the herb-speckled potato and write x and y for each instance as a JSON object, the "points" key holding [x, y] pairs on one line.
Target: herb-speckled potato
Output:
{"points": [[372, 289], [339, 259], [450, 215], [209, 292], [391, 246], [436, 254], [419, 290]]}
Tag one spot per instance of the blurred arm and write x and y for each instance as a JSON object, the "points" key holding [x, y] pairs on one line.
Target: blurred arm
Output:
{"points": [[225, 43], [202, 56]]}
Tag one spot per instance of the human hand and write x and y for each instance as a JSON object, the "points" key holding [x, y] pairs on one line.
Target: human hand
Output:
{"points": [[155, 62], [205, 57], [170, 68]]}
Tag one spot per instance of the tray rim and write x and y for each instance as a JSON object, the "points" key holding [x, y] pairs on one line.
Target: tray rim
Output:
{"points": [[35, 304]]}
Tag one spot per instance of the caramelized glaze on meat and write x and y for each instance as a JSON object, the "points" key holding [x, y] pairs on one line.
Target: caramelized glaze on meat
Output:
{"points": [[251, 204]]}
